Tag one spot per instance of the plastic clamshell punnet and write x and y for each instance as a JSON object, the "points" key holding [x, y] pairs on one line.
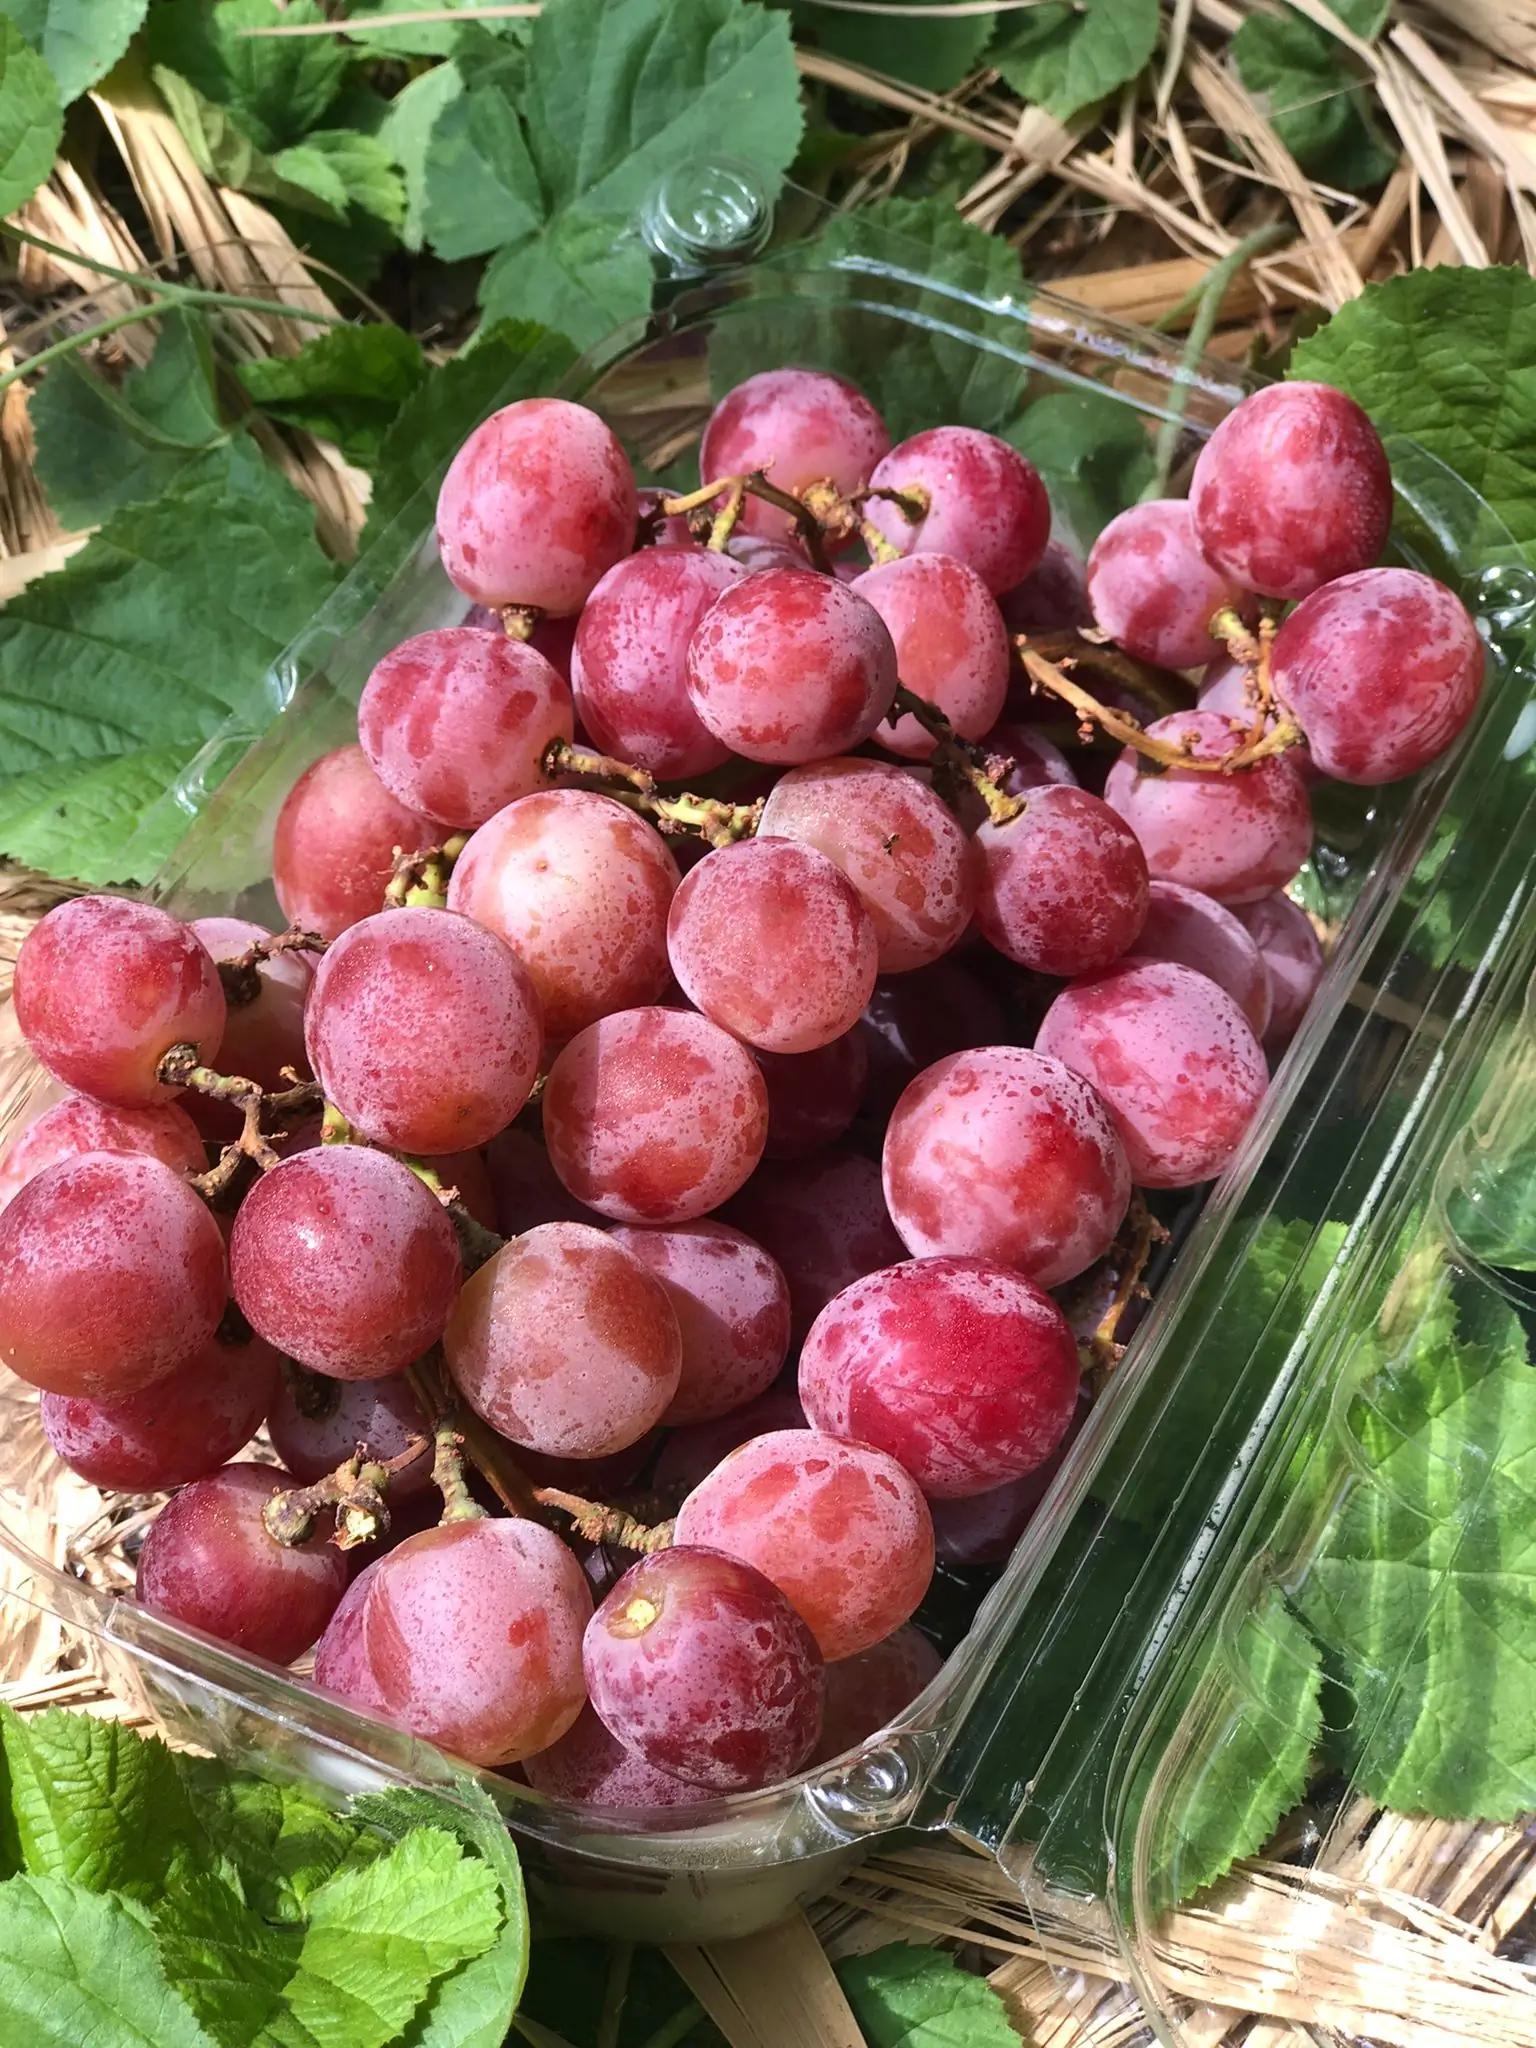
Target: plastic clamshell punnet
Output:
{"points": [[1024, 1743]]}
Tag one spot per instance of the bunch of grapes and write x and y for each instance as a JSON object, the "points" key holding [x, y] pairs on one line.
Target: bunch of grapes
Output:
{"points": [[650, 1193]]}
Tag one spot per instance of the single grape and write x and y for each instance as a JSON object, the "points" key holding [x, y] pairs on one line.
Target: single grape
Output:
{"points": [[335, 840], [1005, 1155], [1174, 1059], [468, 1175], [732, 1307], [455, 723], [318, 1423], [599, 1477], [586, 1767], [111, 1276], [566, 1343], [1292, 956], [1224, 687], [79, 1124], [984, 1527], [986, 505], [1036, 760], [1062, 888], [803, 427], [538, 502], [181, 1427], [813, 1096], [773, 942], [1052, 598], [840, 1528], [698, 1664], [756, 552], [898, 844], [914, 1019], [104, 988], [1236, 837], [630, 669], [1292, 490], [791, 666], [961, 1370], [424, 1030], [1152, 590], [579, 888], [867, 1692], [472, 1634], [823, 1220], [692, 1453], [341, 1666], [262, 1036], [951, 646], [209, 1563], [526, 1186], [1381, 670], [344, 1260], [1201, 933]]}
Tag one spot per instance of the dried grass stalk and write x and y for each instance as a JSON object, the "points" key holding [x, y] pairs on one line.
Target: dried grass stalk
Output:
{"points": [[770, 1990]]}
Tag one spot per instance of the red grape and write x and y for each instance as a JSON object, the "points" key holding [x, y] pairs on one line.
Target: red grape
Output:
{"points": [[824, 1221], [455, 722], [579, 889], [1236, 837], [1006, 1155], [111, 1276], [1201, 933], [773, 942], [472, 1634], [951, 646], [587, 1767], [182, 1427], [756, 552], [791, 666], [984, 1527], [1173, 1058], [538, 502], [803, 427], [1292, 956], [209, 1563], [654, 1116], [344, 1261], [526, 1186], [1153, 591], [897, 843], [313, 1435], [1224, 687], [1036, 760], [566, 1343], [1381, 671], [104, 988], [1292, 490], [1063, 888], [1052, 597], [263, 1036], [698, 1664], [732, 1306], [986, 505], [79, 1124], [467, 1174], [915, 1019], [813, 1096], [335, 841], [630, 669], [692, 1453], [840, 1528], [867, 1692], [341, 1666]]}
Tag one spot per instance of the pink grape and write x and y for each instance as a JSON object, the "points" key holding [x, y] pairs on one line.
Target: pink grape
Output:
{"points": [[963, 1371], [803, 427], [983, 1528], [79, 1124], [1174, 1059], [466, 1172], [867, 1692], [1292, 490], [600, 1476], [898, 844], [951, 646], [335, 840], [104, 988], [825, 1222], [1052, 597], [840, 1528], [1381, 670], [698, 1664], [630, 667], [111, 1276], [586, 1767], [209, 1563], [773, 942], [1063, 888], [732, 1307], [424, 1030], [263, 1036], [986, 505], [343, 1260], [455, 723], [566, 1343], [914, 1019], [791, 666], [1036, 760], [691, 1453], [1152, 590], [813, 1096], [538, 502], [1236, 837], [341, 1666], [1292, 956], [472, 1634], [526, 1187], [756, 552], [1006, 1155], [314, 1434], [579, 888], [179, 1428], [1201, 933]]}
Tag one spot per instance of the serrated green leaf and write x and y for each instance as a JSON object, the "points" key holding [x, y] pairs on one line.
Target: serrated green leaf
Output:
{"points": [[587, 274], [348, 385], [276, 1840], [31, 118], [1066, 56], [79, 40], [904, 1996], [1300, 75], [78, 1970], [276, 87], [407, 135], [478, 184], [418, 38], [223, 151], [362, 168], [228, 1963], [1093, 453], [933, 50]]}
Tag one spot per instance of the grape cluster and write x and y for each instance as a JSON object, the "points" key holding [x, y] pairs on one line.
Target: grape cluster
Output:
{"points": [[651, 1193]]}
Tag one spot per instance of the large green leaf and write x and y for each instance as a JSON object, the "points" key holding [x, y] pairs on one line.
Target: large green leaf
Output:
{"points": [[277, 87], [1301, 75], [80, 40], [586, 273], [223, 151], [31, 118], [348, 385], [931, 50], [1093, 453], [276, 1841], [904, 1996], [78, 1970], [230, 1965], [1066, 56]]}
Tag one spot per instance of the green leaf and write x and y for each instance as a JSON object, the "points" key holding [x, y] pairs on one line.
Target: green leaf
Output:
{"points": [[79, 40], [347, 385], [358, 167], [586, 274], [31, 118], [479, 186], [407, 135], [278, 1841], [78, 1970], [1092, 453], [931, 51], [277, 87], [1066, 55], [229, 1965], [223, 151], [1303, 79], [904, 1996], [417, 38]]}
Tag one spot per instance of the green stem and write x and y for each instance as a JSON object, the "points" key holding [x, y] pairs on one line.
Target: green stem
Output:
{"points": [[184, 294], [615, 1991], [459, 1504], [73, 343]]}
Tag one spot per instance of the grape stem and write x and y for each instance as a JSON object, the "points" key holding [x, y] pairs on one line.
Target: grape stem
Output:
{"points": [[960, 761], [181, 1068], [490, 1454], [595, 1522], [356, 1490], [459, 1504], [420, 880], [519, 620], [1140, 1232], [1083, 649], [242, 982], [1120, 725], [313, 1394], [685, 816], [476, 1243], [753, 483]]}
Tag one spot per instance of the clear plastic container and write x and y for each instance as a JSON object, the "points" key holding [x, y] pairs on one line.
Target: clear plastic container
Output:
{"points": [[1015, 1744]]}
